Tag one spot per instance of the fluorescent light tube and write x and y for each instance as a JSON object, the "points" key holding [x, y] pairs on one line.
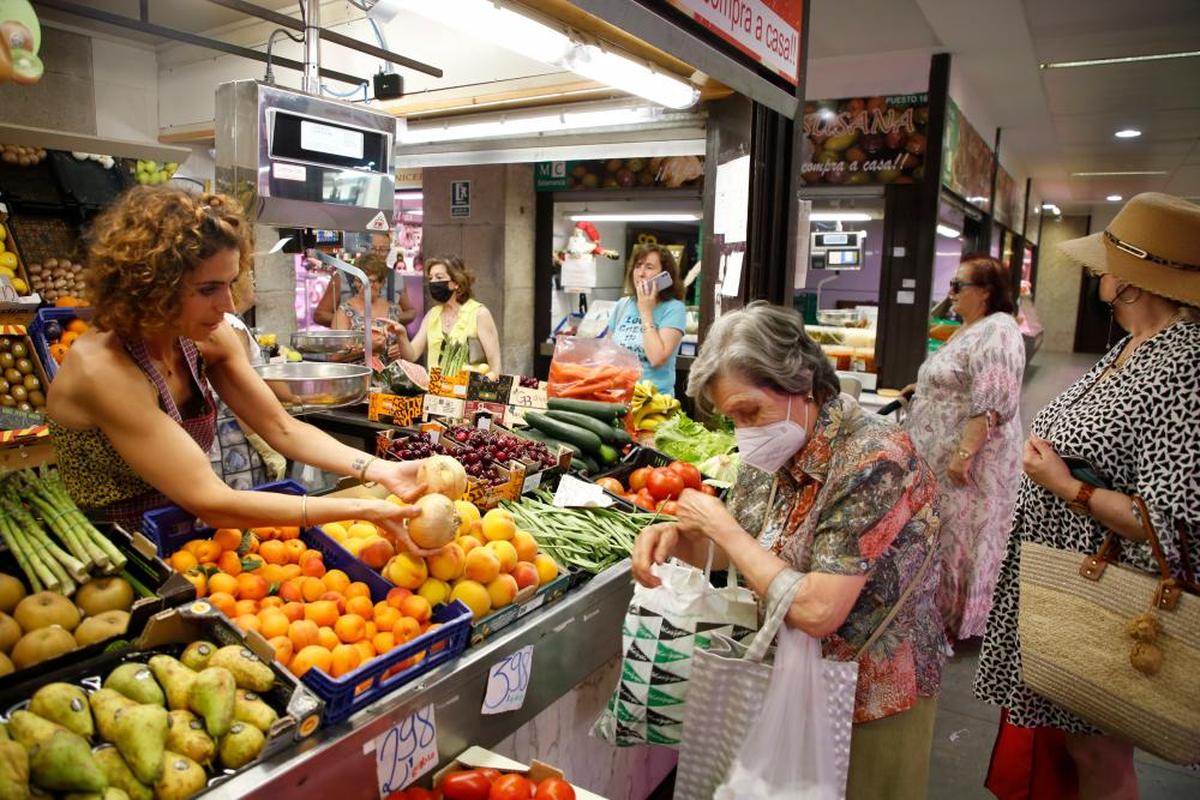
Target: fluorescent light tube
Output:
{"points": [[839, 216], [649, 217], [1128, 133], [1097, 62], [630, 76], [1114, 198], [1117, 174], [527, 123], [948, 232]]}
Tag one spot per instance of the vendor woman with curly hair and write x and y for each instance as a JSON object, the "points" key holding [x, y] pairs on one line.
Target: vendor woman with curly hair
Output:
{"points": [[132, 411]]}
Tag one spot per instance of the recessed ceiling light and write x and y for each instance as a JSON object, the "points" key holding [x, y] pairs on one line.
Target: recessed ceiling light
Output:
{"points": [[1128, 133], [1118, 174], [1114, 198], [1097, 62]]}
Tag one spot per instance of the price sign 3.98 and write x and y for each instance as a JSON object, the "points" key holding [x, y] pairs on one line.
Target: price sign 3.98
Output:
{"points": [[406, 751], [508, 682]]}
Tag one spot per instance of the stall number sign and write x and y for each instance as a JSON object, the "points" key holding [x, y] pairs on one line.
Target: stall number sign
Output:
{"points": [[406, 751], [508, 682], [460, 198]]}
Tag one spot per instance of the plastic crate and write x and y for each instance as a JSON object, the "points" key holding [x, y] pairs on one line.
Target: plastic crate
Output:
{"points": [[172, 527], [546, 594], [37, 332]]}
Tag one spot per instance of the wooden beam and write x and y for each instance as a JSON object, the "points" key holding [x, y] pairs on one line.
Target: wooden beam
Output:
{"points": [[194, 136]]}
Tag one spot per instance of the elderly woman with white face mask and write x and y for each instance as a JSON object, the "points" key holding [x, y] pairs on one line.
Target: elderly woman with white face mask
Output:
{"points": [[832, 491]]}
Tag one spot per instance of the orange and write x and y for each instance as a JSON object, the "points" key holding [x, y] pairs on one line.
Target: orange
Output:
{"points": [[311, 588], [230, 563], [322, 612], [272, 574], [193, 546], [270, 602], [223, 583], [337, 598], [252, 562], [357, 589], [246, 607], [346, 658], [293, 611], [370, 629], [274, 622], [251, 587], [283, 649], [385, 616], [383, 642], [336, 580], [366, 649], [397, 596], [182, 560], [327, 638], [295, 548], [310, 657], [196, 578], [228, 538], [303, 632], [224, 602], [406, 629], [417, 607], [248, 622], [207, 551], [361, 606], [265, 534], [77, 326], [289, 532], [312, 564], [350, 628], [273, 552]]}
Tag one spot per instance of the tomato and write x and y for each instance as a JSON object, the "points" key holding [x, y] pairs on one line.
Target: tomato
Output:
{"points": [[644, 500], [708, 490], [492, 775], [689, 473], [611, 484], [664, 484], [638, 478], [511, 787], [554, 789], [670, 508], [466, 785]]}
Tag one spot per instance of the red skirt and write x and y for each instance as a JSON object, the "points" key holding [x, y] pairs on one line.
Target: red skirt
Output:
{"points": [[1031, 764]]}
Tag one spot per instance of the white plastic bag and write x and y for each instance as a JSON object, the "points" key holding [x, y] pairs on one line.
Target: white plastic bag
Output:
{"points": [[789, 754]]}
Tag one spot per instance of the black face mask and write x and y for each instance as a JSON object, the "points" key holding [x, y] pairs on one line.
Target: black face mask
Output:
{"points": [[440, 291]]}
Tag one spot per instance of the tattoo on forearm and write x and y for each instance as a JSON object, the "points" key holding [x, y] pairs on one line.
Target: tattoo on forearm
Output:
{"points": [[357, 464]]}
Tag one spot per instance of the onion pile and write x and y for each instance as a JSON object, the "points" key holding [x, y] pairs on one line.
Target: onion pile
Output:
{"points": [[437, 523], [55, 278]]}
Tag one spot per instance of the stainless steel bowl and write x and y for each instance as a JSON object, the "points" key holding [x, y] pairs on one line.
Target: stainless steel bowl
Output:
{"points": [[335, 346], [304, 385]]}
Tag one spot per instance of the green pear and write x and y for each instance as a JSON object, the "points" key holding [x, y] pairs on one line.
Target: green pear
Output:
{"points": [[65, 704], [141, 738], [197, 654], [111, 793], [213, 695], [4, 737], [181, 778], [29, 729], [114, 767], [248, 671], [186, 736], [249, 707], [14, 771], [136, 681], [241, 745], [105, 705], [64, 763], [175, 678]]}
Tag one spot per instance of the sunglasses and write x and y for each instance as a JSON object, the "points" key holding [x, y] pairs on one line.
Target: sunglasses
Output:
{"points": [[957, 286]]}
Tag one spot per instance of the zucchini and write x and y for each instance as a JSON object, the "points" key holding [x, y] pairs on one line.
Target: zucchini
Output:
{"points": [[605, 412], [622, 437], [584, 464], [585, 440], [553, 444], [608, 456], [604, 430]]}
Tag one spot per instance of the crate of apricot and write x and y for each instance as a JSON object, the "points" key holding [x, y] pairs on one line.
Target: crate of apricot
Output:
{"points": [[53, 331], [347, 633]]}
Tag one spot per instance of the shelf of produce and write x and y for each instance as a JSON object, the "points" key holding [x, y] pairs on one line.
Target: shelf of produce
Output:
{"points": [[571, 639]]}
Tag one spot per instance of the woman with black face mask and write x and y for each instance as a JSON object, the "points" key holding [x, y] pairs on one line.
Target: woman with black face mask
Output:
{"points": [[458, 329]]}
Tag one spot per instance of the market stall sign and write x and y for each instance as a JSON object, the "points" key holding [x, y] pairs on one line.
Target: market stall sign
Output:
{"points": [[865, 140], [508, 682], [766, 30], [661, 172], [967, 161], [406, 751], [1008, 211]]}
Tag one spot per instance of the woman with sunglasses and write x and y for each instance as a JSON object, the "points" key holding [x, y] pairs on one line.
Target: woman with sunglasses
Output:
{"points": [[964, 420]]}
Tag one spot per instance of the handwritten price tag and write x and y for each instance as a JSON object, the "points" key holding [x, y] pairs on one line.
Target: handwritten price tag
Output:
{"points": [[508, 682], [406, 751]]}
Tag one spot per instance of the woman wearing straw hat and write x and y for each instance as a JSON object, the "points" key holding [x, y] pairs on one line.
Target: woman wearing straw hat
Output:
{"points": [[1136, 417]]}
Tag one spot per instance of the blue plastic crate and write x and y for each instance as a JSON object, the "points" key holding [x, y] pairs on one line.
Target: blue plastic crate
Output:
{"points": [[37, 333], [172, 527]]}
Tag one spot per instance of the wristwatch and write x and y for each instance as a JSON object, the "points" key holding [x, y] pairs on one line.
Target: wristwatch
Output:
{"points": [[1084, 496]]}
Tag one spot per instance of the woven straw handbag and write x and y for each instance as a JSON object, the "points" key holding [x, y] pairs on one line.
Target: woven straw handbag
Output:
{"points": [[1117, 647]]}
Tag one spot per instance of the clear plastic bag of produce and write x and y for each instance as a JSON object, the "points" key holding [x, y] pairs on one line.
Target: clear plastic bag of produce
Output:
{"points": [[593, 369]]}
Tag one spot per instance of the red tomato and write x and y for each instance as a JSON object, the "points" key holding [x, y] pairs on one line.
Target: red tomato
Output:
{"points": [[611, 484], [708, 490], [644, 500], [638, 478], [492, 775], [689, 473], [416, 793], [511, 787], [664, 484], [554, 789], [466, 785]]}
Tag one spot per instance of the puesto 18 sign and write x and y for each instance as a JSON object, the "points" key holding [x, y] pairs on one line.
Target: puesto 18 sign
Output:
{"points": [[768, 30], [860, 140]]}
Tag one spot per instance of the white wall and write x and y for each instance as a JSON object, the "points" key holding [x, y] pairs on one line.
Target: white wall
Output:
{"points": [[905, 72], [126, 85]]}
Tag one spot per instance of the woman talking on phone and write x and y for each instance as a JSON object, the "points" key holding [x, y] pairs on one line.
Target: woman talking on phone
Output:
{"points": [[651, 321]]}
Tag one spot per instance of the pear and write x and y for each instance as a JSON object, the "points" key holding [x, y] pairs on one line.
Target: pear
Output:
{"points": [[64, 763], [213, 695], [141, 736], [249, 707], [14, 771], [4, 737], [105, 704], [241, 745], [120, 775], [186, 736], [248, 671], [197, 654], [65, 704], [29, 729], [181, 778], [175, 678], [136, 681], [111, 793]]}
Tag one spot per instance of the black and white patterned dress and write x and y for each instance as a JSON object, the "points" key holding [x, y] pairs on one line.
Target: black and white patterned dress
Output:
{"points": [[1141, 427]]}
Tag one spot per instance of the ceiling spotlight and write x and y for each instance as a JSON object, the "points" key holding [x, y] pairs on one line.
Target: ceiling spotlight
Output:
{"points": [[948, 232], [1114, 198], [1128, 133]]}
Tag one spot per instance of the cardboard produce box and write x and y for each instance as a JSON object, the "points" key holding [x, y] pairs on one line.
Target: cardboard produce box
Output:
{"points": [[482, 758]]}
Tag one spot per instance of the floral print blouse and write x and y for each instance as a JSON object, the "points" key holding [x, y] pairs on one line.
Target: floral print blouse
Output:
{"points": [[859, 500]]}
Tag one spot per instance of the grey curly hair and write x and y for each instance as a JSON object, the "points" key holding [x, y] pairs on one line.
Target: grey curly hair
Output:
{"points": [[767, 346]]}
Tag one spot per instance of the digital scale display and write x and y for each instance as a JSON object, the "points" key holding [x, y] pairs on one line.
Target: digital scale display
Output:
{"points": [[304, 140], [842, 258], [330, 139]]}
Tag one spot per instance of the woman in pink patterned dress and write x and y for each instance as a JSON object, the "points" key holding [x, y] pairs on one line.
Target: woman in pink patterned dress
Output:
{"points": [[965, 421]]}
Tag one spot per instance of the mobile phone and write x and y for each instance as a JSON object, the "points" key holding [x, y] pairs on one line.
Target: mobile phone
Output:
{"points": [[1086, 471], [659, 282]]}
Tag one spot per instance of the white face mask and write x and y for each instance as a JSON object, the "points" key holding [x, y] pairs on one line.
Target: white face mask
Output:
{"points": [[768, 447]]}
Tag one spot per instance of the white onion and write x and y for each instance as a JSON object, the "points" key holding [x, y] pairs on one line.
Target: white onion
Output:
{"points": [[437, 523], [444, 475]]}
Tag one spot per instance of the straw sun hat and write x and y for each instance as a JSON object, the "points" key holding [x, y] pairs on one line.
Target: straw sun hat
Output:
{"points": [[1152, 243]]}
